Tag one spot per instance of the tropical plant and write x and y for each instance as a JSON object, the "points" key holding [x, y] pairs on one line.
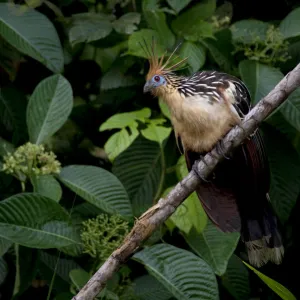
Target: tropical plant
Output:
{"points": [[84, 152]]}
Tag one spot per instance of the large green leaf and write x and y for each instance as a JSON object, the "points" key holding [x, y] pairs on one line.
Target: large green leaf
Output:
{"points": [[157, 21], [147, 287], [98, 187], [139, 39], [192, 25], [122, 120], [189, 215], [12, 113], [88, 27], [275, 286], [261, 79], [119, 75], [47, 185], [249, 31], [3, 270], [10, 59], [79, 277], [61, 266], [156, 133], [35, 221], [49, 107], [184, 274], [5, 147], [139, 169], [4, 246], [195, 54], [119, 142], [236, 279], [221, 49], [178, 5], [278, 121], [33, 34], [126, 23], [164, 108], [285, 173], [214, 246], [290, 25]]}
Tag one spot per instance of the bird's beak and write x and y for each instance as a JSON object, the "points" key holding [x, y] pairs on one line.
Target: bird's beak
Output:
{"points": [[147, 87]]}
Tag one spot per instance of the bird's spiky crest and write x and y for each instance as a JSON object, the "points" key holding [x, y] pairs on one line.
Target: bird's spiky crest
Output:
{"points": [[157, 65]]}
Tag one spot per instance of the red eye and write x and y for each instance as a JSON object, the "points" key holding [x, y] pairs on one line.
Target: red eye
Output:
{"points": [[156, 78]]}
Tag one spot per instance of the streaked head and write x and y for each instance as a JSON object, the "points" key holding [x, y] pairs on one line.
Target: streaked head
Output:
{"points": [[159, 70], [153, 83]]}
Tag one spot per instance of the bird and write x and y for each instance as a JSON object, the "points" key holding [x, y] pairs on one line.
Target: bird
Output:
{"points": [[204, 106]]}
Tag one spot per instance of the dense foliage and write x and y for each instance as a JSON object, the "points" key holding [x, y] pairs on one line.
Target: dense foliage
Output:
{"points": [[84, 151]]}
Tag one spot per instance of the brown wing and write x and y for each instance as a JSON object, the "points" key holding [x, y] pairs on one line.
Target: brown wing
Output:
{"points": [[237, 189]]}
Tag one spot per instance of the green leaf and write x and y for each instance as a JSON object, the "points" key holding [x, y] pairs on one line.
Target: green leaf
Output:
{"points": [[214, 246], [61, 266], [79, 277], [47, 185], [98, 187], [148, 288], [285, 173], [195, 55], [221, 49], [164, 108], [64, 296], [126, 23], [236, 279], [157, 21], [178, 5], [89, 27], [249, 31], [122, 120], [34, 221], [278, 121], [290, 25], [190, 214], [12, 113], [10, 59], [119, 75], [275, 286], [5, 147], [156, 133], [48, 108], [261, 79], [140, 170], [33, 34], [141, 37], [3, 270], [4, 246], [191, 24], [119, 142], [184, 274], [104, 57]]}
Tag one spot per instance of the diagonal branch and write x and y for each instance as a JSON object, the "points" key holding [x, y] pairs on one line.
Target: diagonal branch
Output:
{"points": [[165, 207]]}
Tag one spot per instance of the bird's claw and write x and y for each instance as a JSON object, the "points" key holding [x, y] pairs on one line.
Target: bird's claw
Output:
{"points": [[194, 168], [220, 149]]}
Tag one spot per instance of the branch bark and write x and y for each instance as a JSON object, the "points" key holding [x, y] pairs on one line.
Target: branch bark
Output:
{"points": [[165, 207]]}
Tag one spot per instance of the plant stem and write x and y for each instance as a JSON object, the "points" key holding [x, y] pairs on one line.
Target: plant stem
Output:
{"points": [[23, 186], [162, 175], [17, 278]]}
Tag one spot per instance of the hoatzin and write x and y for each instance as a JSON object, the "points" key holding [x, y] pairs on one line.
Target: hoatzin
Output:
{"points": [[203, 108]]}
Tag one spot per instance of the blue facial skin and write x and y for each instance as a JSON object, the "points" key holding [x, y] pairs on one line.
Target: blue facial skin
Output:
{"points": [[154, 82]]}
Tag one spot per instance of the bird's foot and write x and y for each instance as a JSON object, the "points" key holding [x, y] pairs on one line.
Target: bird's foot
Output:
{"points": [[195, 169], [220, 149]]}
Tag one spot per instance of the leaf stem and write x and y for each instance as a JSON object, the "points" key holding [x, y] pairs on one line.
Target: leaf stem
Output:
{"points": [[162, 175], [17, 278]]}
